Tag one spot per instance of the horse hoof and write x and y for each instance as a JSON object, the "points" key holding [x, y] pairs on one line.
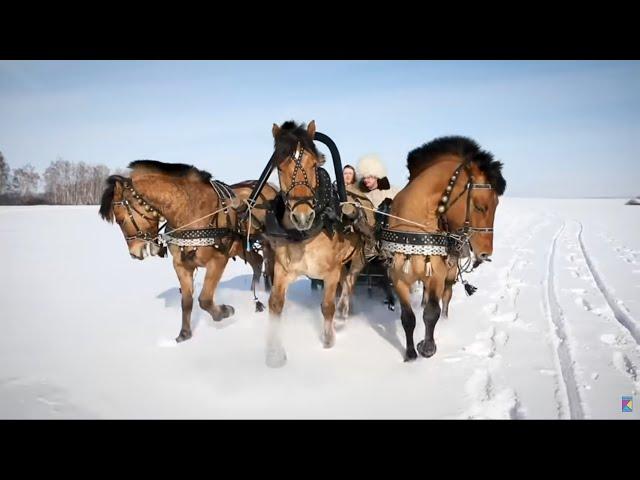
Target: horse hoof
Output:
{"points": [[225, 311], [426, 349], [259, 307], [329, 342], [276, 358], [410, 355], [183, 336]]}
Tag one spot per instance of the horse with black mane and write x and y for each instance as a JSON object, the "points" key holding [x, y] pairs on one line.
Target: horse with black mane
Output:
{"points": [[309, 233], [445, 212], [202, 229]]}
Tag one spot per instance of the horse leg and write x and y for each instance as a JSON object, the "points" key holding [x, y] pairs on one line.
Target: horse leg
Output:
{"points": [[431, 314], [276, 355], [390, 300], [425, 295], [185, 277], [448, 291], [347, 283], [255, 260], [403, 289], [215, 267], [329, 307], [446, 298], [269, 261]]}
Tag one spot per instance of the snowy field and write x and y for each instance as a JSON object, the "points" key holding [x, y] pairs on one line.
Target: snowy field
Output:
{"points": [[552, 332]]}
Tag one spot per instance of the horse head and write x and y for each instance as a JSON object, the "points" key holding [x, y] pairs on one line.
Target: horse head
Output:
{"points": [[297, 161], [137, 219]]}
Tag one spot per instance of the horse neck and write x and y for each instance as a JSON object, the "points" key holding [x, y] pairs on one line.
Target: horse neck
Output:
{"points": [[179, 200], [423, 195]]}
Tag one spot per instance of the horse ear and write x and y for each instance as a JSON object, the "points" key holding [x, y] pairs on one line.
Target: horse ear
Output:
{"points": [[275, 130], [311, 129]]}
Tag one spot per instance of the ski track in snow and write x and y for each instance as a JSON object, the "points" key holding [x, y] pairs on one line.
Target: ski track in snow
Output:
{"points": [[598, 301], [569, 393], [616, 305]]}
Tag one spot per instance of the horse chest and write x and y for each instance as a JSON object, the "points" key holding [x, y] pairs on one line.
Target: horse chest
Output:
{"points": [[306, 261]]}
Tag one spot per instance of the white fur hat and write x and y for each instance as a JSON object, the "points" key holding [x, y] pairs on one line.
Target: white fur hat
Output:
{"points": [[371, 165]]}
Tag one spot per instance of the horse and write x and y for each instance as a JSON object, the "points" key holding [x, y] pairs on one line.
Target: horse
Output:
{"points": [[186, 197], [310, 247], [446, 210]]}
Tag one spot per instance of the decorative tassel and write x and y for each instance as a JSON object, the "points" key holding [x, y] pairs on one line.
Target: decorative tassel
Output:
{"points": [[428, 269], [470, 289], [406, 266]]}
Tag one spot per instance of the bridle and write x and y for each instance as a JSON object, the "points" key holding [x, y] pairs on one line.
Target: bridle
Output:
{"points": [[306, 200], [140, 235], [467, 230]]}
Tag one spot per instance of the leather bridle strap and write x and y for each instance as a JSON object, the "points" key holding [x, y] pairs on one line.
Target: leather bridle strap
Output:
{"points": [[306, 200], [130, 209]]}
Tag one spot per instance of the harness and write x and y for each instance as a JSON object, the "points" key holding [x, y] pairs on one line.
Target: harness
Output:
{"points": [[139, 235], [325, 205], [213, 235], [324, 201], [442, 243], [466, 229], [309, 200]]}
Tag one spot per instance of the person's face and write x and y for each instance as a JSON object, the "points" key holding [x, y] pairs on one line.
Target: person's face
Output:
{"points": [[347, 173], [371, 182]]}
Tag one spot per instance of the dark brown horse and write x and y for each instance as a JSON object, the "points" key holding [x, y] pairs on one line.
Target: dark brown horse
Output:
{"points": [[196, 216], [448, 206]]}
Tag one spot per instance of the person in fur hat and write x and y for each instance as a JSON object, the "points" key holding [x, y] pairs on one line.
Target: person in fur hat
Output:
{"points": [[373, 180]]}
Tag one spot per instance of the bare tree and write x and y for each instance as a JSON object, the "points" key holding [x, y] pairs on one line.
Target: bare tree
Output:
{"points": [[4, 174], [74, 183], [25, 181]]}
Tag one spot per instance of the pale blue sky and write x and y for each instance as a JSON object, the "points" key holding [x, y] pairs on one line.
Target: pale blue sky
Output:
{"points": [[562, 128]]}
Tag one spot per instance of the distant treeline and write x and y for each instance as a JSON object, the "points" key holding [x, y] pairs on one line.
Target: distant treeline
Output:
{"points": [[64, 182]]}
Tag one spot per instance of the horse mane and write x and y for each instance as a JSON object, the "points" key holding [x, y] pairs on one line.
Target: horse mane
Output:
{"points": [[422, 157], [287, 140], [106, 212], [171, 169], [177, 170]]}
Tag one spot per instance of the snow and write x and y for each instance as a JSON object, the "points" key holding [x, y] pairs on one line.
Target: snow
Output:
{"points": [[552, 331]]}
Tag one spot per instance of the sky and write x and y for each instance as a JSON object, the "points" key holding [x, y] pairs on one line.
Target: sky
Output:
{"points": [[561, 128]]}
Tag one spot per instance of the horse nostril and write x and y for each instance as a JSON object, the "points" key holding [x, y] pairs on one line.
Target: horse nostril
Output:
{"points": [[485, 257]]}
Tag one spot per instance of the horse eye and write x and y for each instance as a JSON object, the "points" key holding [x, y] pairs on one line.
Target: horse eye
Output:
{"points": [[480, 209]]}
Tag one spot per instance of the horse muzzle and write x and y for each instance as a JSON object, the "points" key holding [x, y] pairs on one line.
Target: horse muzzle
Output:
{"points": [[302, 221], [479, 259], [147, 250]]}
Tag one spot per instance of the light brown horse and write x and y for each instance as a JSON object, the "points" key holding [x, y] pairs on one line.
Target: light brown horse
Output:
{"points": [[185, 197], [315, 253], [453, 187]]}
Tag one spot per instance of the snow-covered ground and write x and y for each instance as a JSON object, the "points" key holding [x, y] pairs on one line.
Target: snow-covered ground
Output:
{"points": [[552, 332]]}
